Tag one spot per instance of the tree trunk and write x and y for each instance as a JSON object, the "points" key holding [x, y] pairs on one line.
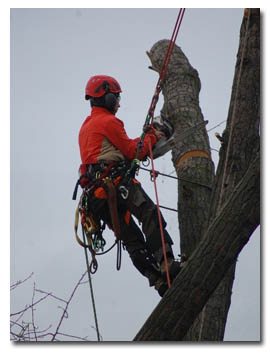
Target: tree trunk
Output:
{"points": [[191, 157], [207, 265], [197, 205], [241, 142]]}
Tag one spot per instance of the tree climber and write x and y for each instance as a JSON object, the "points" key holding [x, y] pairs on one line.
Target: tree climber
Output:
{"points": [[104, 144]]}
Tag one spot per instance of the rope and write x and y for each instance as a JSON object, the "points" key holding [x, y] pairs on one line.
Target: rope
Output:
{"points": [[91, 287], [150, 114], [216, 126], [168, 208], [106, 251], [159, 218], [149, 121], [166, 61], [172, 43], [119, 255], [176, 178]]}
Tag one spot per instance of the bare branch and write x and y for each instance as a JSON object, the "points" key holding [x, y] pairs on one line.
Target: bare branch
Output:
{"points": [[21, 330], [67, 304], [29, 306], [51, 295], [33, 319], [14, 286]]}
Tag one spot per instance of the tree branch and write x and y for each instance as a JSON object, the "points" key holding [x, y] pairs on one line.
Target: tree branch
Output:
{"points": [[219, 248]]}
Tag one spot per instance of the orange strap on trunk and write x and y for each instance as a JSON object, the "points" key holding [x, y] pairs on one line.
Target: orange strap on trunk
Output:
{"points": [[190, 154]]}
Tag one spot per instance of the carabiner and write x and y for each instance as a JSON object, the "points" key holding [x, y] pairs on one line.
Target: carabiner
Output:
{"points": [[124, 192]]}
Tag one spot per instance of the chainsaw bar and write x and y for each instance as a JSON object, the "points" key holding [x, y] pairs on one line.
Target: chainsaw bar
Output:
{"points": [[165, 145]]}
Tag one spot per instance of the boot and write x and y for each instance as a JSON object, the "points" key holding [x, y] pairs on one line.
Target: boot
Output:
{"points": [[173, 267], [161, 286], [146, 265], [152, 276]]}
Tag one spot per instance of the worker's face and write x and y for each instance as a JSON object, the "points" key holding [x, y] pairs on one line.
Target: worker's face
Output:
{"points": [[117, 105]]}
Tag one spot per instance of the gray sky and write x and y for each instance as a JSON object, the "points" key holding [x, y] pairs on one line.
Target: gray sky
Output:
{"points": [[53, 53]]}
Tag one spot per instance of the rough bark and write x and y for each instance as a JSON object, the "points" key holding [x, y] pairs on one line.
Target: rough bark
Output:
{"points": [[198, 206], [241, 141], [181, 105], [218, 249], [245, 106]]}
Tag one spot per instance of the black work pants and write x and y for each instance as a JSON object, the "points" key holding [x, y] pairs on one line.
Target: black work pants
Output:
{"points": [[144, 247]]}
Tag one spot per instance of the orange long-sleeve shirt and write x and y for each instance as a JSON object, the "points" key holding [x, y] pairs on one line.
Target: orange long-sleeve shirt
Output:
{"points": [[102, 137]]}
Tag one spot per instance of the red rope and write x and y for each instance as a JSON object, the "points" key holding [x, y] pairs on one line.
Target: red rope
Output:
{"points": [[151, 113], [172, 43], [166, 62], [150, 116], [159, 218]]}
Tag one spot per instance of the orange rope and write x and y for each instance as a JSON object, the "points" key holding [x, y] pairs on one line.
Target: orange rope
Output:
{"points": [[159, 217]]}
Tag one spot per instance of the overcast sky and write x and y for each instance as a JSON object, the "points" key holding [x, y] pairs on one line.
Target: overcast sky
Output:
{"points": [[53, 53]]}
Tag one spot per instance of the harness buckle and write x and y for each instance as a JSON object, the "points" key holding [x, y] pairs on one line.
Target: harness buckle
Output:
{"points": [[124, 192]]}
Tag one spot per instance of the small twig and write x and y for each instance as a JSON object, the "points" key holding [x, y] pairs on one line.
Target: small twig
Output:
{"points": [[67, 304], [100, 336], [18, 319], [30, 306], [64, 310], [71, 336], [21, 334], [27, 331], [33, 319], [51, 295], [13, 286]]}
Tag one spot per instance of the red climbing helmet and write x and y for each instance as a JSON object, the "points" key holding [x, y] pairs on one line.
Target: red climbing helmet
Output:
{"points": [[99, 85]]}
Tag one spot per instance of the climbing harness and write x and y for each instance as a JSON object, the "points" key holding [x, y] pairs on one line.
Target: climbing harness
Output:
{"points": [[100, 180], [86, 176], [92, 228]]}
